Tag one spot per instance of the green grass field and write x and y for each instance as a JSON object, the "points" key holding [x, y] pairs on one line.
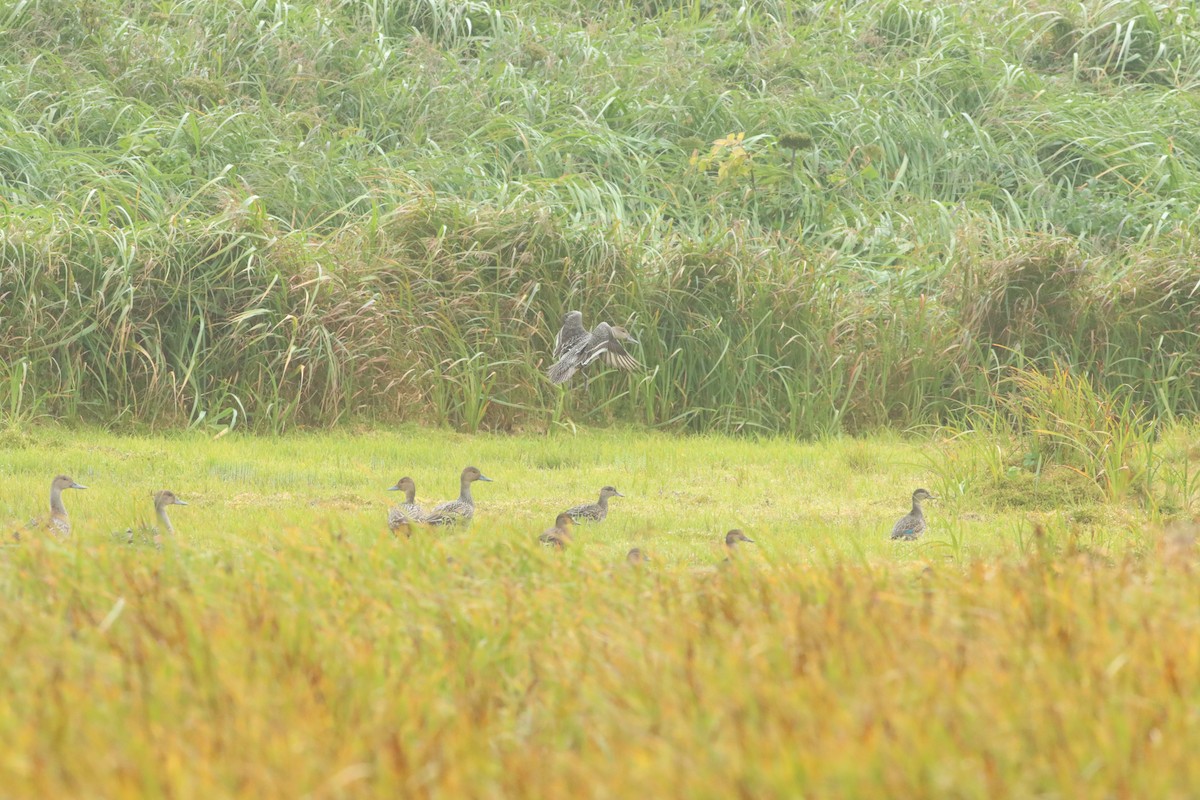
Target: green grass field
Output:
{"points": [[273, 255], [835, 499], [1035, 643]]}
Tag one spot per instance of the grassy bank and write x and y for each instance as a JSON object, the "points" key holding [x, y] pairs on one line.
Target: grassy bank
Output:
{"points": [[202, 201], [1036, 641]]}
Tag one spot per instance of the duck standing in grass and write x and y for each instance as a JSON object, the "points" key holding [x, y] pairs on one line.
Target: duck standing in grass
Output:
{"points": [[575, 347], [400, 516], [460, 511], [60, 523], [912, 525], [593, 512], [559, 536]]}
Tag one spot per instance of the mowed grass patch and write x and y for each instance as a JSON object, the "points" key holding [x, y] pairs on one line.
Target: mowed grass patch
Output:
{"points": [[838, 497]]}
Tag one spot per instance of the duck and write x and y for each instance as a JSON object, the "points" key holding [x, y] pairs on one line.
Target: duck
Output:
{"points": [[400, 516], [636, 557], [594, 512], [460, 511], [733, 539], [162, 499], [60, 523], [912, 525], [560, 535], [146, 533], [575, 347]]}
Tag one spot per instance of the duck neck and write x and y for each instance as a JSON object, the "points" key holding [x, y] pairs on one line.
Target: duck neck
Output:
{"points": [[164, 521], [603, 502], [917, 512], [410, 495], [57, 508], [464, 494]]}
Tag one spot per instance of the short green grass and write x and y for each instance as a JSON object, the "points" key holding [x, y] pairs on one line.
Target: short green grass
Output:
{"points": [[837, 498], [285, 644]]}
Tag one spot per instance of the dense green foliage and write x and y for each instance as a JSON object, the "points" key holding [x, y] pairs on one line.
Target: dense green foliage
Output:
{"points": [[202, 200]]}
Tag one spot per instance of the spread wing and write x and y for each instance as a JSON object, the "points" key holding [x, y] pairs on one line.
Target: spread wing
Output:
{"points": [[615, 355], [571, 331], [602, 344]]}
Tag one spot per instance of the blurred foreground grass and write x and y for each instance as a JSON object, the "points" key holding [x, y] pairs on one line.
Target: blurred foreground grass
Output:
{"points": [[284, 644]]}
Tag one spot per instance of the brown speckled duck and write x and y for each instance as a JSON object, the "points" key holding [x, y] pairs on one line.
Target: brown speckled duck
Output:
{"points": [[460, 511], [559, 536], [575, 347], [912, 525], [60, 523], [400, 516], [593, 512]]}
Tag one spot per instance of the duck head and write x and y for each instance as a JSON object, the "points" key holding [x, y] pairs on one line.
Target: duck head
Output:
{"points": [[471, 474]]}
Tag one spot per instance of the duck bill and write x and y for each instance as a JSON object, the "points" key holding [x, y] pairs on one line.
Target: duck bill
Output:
{"points": [[617, 494], [179, 502], [75, 485], [631, 339], [485, 478], [395, 488]]}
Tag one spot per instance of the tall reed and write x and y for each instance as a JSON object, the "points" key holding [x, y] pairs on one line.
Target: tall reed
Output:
{"points": [[888, 205]]}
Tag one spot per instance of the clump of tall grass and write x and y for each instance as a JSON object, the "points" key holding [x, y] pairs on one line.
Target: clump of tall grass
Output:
{"points": [[1065, 421], [1128, 40], [208, 321]]}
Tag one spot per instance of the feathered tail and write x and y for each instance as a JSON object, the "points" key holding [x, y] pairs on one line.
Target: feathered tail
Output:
{"points": [[562, 371]]}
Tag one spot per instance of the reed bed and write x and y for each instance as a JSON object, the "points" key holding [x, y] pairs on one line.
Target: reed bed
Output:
{"points": [[821, 217]]}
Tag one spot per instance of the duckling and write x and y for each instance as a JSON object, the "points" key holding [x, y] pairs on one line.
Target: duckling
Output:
{"points": [[575, 347], [912, 525], [461, 510], [400, 516], [594, 512], [560, 535], [636, 557], [60, 523]]}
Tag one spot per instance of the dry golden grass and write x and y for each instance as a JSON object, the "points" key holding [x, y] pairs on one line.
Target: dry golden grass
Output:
{"points": [[291, 649]]}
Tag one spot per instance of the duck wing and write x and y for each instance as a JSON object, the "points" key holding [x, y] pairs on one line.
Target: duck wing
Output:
{"points": [[450, 513], [562, 370], [907, 526], [585, 512], [603, 344], [615, 355], [570, 333]]}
